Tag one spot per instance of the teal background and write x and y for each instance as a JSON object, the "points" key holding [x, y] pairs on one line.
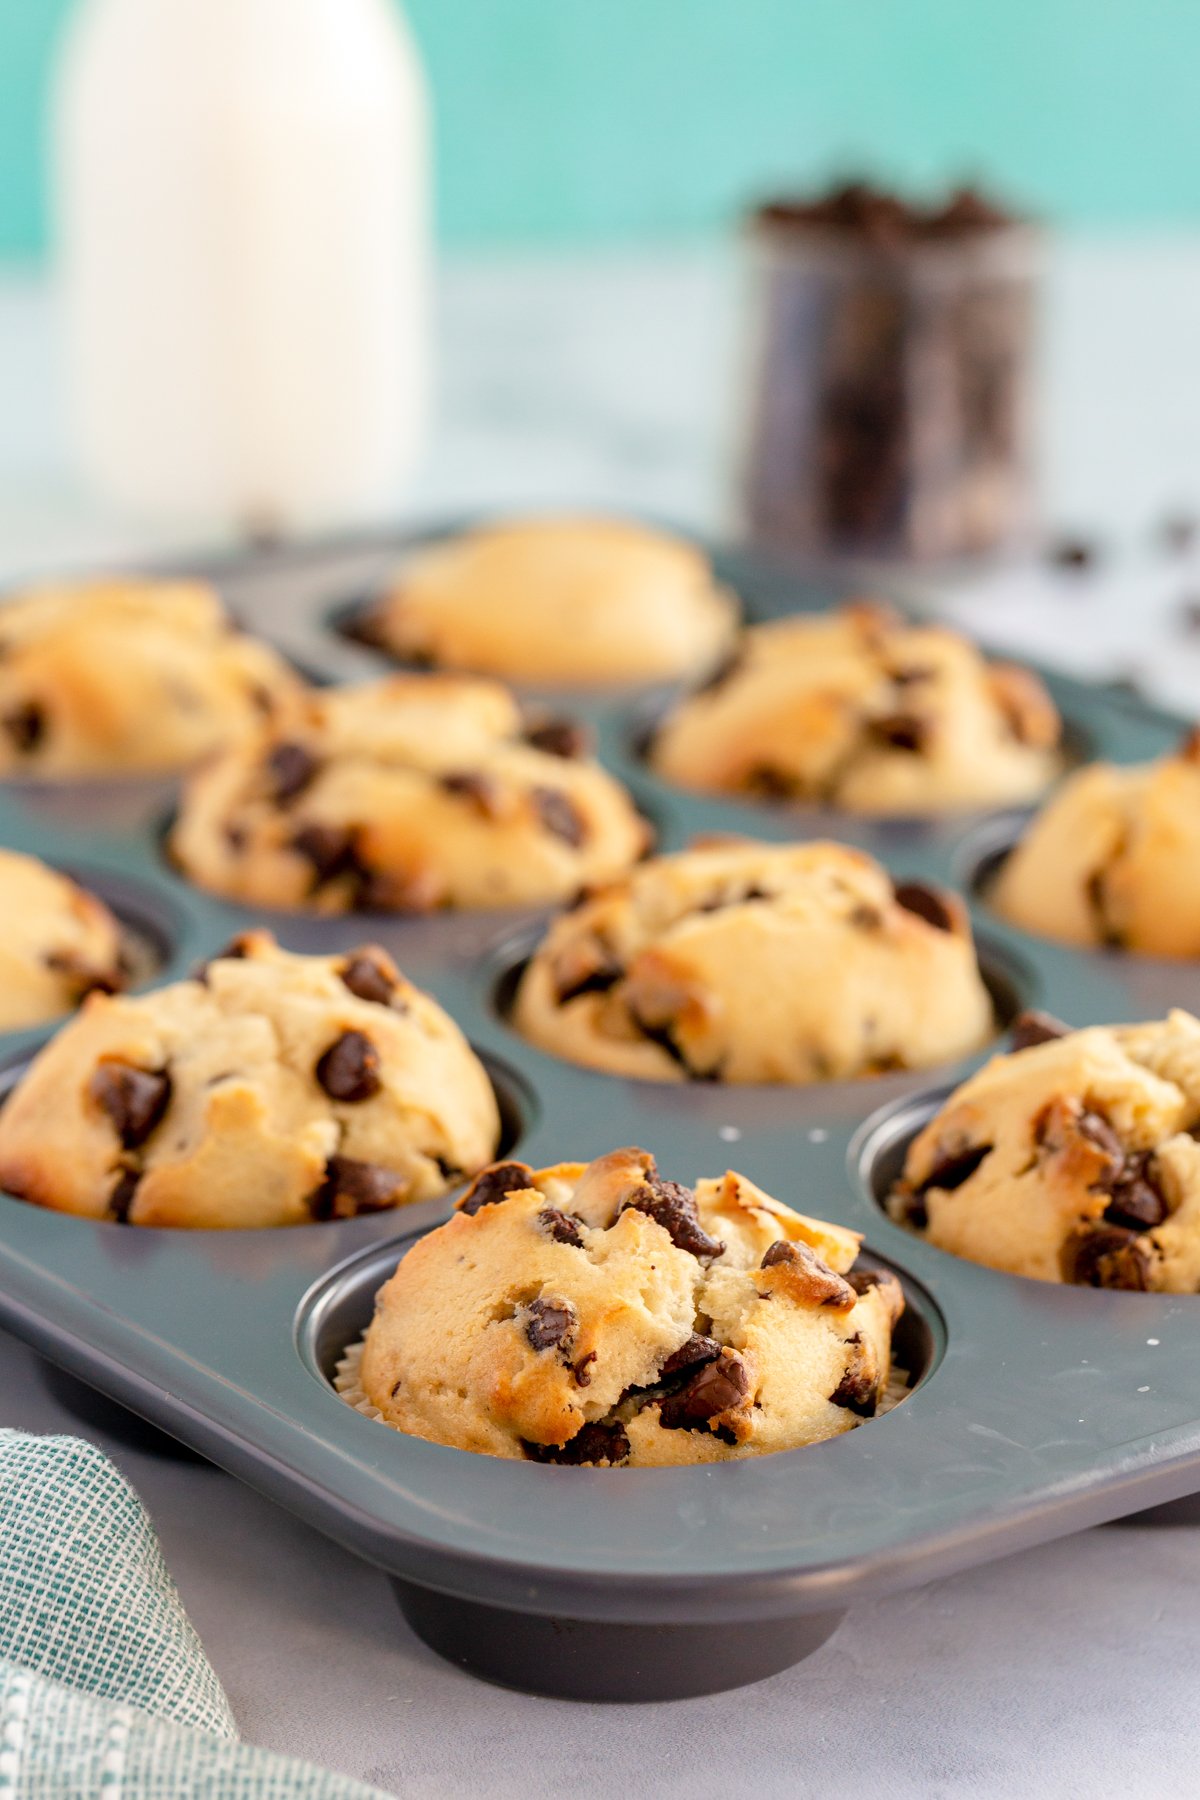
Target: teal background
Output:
{"points": [[569, 120]]}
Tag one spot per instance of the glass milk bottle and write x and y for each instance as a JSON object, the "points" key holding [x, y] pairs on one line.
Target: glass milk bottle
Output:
{"points": [[241, 191]]}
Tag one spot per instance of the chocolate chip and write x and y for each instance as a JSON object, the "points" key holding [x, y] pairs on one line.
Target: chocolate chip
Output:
{"points": [[771, 783], [899, 731], [329, 849], [480, 790], [813, 1281], [292, 767], [952, 1168], [858, 1390], [367, 978], [559, 737], [591, 1444], [866, 918], [559, 814], [673, 1206], [134, 1099], [349, 1069], [494, 1184], [549, 1323], [25, 725], [698, 1349], [910, 676], [81, 975], [927, 903], [1105, 1257], [235, 837], [581, 1369], [121, 1198], [562, 1227], [591, 973], [1096, 1129], [1030, 1028], [1136, 1202], [351, 1187], [716, 1387]]}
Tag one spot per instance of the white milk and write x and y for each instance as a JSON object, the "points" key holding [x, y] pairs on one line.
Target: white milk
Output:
{"points": [[242, 215]]}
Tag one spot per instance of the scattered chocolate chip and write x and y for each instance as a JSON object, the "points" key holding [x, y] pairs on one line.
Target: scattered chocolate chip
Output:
{"points": [[771, 783], [717, 1387], [899, 731], [82, 976], [450, 1172], [1030, 1028], [480, 790], [25, 725], [329, 849], [952, 1168], [549, 1323], [292, 767], [813, 1281], [235, 837], [1072, 553], [494, 1184], [927, 903], [121, 1198], [367, 978], [559, 814], [591, 1444], [1105, 1257], [134, 1099], [559, 737], [581, 1369], [351, 1187], [397, 890], [365, 625], [866, 918], [562, 1227], [910, 676], [673, 1206], [858, 1390], [1136, 1200], [1096, 1129], [698, 1349], [349, 1069]]}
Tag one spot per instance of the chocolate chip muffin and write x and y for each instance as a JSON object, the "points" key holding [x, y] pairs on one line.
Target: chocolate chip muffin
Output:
{"points": [[740, 961], [562, 601], [409, 794], [115, 677], [600, 1313], [857, 709], [272, 1089], [1113, 859], [1074, 1158], [57, 943]]}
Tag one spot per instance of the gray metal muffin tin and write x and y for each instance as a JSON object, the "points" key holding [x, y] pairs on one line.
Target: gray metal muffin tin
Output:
{"points": [[1037, 1409]]}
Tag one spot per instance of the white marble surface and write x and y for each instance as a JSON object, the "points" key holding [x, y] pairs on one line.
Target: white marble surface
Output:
{"points": [[1070, 1670]]}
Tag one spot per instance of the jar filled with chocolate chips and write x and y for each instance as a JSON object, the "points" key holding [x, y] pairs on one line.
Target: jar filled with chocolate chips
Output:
{"points": [[891, 380]]}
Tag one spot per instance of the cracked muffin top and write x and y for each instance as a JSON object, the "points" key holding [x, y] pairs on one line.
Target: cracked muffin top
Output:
{"points": [[1074, 1158], [741, 961], [1113, 859], [407, 794], [860, 710], [127, 676], [271, 1089], [57, 943], [600, 1313], [561, 601]]}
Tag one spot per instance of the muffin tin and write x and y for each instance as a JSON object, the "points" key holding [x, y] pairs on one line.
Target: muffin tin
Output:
{"points": [[1035, 1409]]}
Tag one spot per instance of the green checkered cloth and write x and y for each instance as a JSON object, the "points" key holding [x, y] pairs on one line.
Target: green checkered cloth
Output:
{"points": [[104, 1687]]}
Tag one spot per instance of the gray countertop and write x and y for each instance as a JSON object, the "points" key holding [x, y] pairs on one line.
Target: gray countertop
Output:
{"points": [[1069, 1670]]}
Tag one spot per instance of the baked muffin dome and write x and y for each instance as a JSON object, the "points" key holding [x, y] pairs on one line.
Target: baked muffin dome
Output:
{"points": [[57, 943], [557, 601], [1113, 859], [859, 710], [127, 676], [740, 961], [601, 1314], [1070, 1159], [272, 1089], [408, 794]]}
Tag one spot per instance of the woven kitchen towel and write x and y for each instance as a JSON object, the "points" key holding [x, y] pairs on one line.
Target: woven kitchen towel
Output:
{"points": [[104, 1687]]}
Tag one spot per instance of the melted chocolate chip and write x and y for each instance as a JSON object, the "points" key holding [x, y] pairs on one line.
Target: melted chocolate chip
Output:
{"points": [[1030, 1028], [771, 783], [814, 1281], [591, 1444], [121, 1198], [858, 1390], [349, 1069], [480, 790], [1096, 1129], [494, 1184], [134, 1099], [367, 978], [559, 737], [351, 1187], [1105, 1257], [1137, 1202], [697, 1350], [928, 903], [25, 725], [582, 1369], [899, 731], [604, 973], [673, 1206], [549, 1323], [952, 1168], [562, 1227], [291, 767], [328, 849], [559, 815], [716, 1387]]}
